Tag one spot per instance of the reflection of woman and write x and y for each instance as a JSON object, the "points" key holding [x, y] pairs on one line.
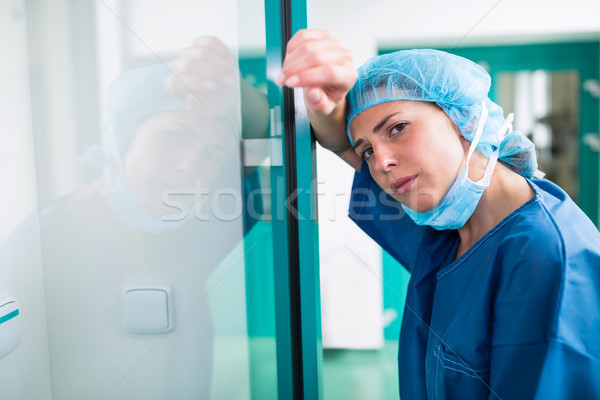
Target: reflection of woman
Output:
{"points": [[116, 232], [159, 148], [504, 290]]}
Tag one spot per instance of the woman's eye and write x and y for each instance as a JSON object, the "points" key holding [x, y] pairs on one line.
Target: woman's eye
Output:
{"points": [[367, 153], [213, 154], [176, 136], [397, 128]]}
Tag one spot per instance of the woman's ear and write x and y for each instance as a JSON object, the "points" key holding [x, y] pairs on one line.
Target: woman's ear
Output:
{"points": [[464, 142]]}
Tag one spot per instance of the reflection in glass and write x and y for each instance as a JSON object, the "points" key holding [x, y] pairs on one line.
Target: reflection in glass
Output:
{"points": [[132, 275]]}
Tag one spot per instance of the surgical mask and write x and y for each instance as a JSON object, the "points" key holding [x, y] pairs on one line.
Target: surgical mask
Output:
{"points": [[125, 205], [460, 201]]}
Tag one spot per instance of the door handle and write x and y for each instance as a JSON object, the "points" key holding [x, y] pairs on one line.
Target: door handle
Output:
{"points": [[256, 152]]}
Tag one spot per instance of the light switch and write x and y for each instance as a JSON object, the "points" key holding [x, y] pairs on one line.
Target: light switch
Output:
{"points": [[148, 308], [10, 325]]}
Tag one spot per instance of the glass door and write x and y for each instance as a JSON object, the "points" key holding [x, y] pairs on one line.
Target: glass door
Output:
{"points": [[153, 226]]}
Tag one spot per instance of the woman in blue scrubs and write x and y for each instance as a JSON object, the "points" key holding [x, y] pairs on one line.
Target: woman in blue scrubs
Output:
{"points": [[504, 296]]}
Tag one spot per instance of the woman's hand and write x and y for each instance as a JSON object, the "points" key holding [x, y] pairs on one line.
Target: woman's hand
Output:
{"points": [[206, 77], [317, 62]]}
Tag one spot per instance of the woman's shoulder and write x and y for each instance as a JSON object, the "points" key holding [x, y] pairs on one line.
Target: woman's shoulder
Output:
{"points": [[43, 215], [25, 241], [560, 215], [551, 213], [551, 257], [548, 230]]}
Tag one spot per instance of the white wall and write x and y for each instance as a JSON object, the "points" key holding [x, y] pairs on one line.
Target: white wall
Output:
{"points": [[19, 196], [363, 26], [25, 372]]}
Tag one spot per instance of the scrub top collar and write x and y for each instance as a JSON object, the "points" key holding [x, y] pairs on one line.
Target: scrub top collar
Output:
{"points": [[452, 264]]}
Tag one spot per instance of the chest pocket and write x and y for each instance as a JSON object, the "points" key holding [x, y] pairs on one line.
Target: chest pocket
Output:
{"points": [[453, 378]]}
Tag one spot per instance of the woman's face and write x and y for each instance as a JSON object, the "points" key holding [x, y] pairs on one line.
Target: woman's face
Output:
{"points": [[175, 152], [413, 149]]}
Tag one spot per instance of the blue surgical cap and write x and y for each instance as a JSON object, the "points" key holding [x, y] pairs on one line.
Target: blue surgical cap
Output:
{"points": [[131, 97], [457, 85], [135, 95]]}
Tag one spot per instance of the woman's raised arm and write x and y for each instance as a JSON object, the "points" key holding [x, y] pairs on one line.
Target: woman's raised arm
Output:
{"points": [[318, 63]]}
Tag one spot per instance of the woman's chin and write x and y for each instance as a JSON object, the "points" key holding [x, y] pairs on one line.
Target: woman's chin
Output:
{"points": [[168, 209]]}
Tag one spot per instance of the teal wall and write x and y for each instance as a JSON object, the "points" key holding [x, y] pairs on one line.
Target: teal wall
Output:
{"points": [[395, 285]]}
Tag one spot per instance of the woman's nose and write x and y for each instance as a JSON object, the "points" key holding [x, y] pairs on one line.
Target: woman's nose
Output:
{"points": [[384, 159], [190, 162]]}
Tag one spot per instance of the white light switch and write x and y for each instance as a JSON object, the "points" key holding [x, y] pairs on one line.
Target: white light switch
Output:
{"points": [[148, 308], [10, 325]]}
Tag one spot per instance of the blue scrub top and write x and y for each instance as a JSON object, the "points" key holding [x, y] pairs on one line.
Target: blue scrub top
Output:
{"points": [[515, 317]]}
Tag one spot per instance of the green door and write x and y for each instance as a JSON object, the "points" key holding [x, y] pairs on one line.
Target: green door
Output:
{"points": [[158, 235]]}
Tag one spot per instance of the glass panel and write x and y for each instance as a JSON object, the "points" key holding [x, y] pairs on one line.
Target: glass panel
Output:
{"points": [[546, 107], [136, 239]]}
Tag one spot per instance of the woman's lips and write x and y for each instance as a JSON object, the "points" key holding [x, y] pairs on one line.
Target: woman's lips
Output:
{"points": [[403, 185]]}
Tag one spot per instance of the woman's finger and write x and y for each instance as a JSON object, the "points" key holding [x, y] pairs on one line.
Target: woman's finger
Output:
{"points": [[184, 83], [314, 55], [213, 43], [304, 35], [202, 67], [318, 102], [329, 77]]}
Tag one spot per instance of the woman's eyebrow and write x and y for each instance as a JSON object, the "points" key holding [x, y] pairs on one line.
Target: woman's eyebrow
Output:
{"points": [[377, 128], [189, 130], [383, 122], [358, 143]]}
